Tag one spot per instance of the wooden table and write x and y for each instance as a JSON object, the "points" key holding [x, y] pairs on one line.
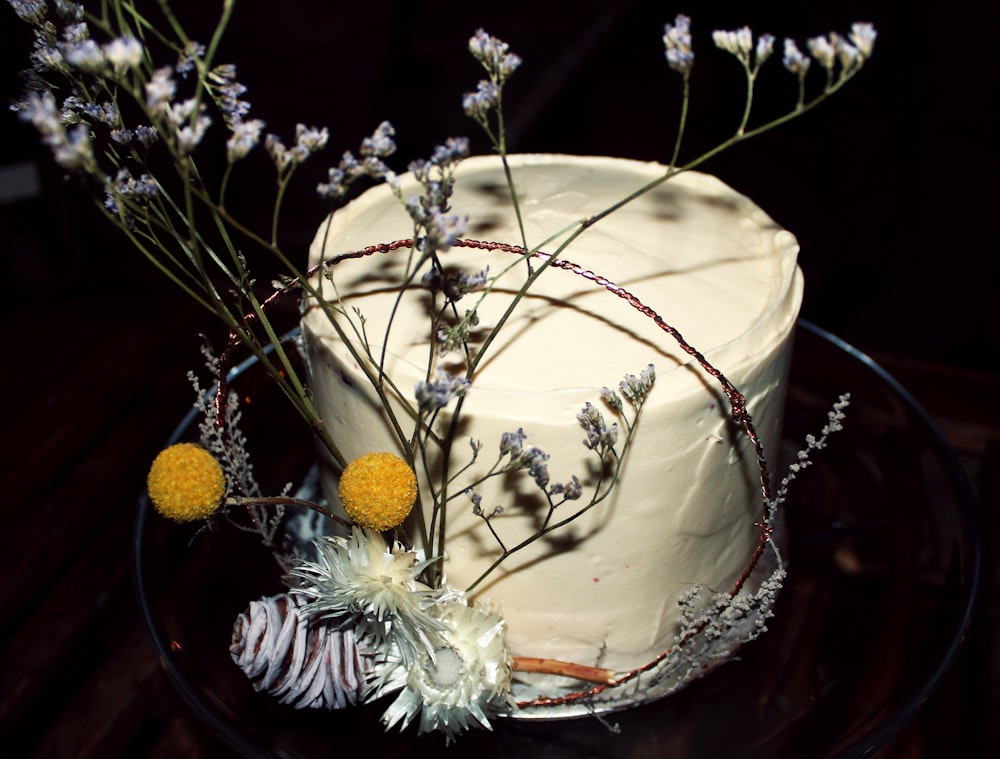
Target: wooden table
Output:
{"points": [[95, 382]]}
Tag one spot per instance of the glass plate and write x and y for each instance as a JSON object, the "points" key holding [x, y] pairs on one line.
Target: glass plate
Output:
{"points": [[883, 557]]}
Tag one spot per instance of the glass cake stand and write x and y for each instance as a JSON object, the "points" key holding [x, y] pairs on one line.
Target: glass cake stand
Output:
{"points": [[883, 558]]}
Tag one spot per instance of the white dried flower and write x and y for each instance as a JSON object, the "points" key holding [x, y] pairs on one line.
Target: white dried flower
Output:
{"points": [[310, 139], [863, 36], [846, 53], [794, 60], [677, 44], [160, 90], [765, 46], [822, 49], [462, 681], [281, 155], [123, 53], [85, 55], [74, 150], [362, 575], [31, 11], [494, 54], [246, 135]]}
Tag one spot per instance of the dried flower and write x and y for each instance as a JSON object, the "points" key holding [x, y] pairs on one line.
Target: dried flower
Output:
{"points": [[455, 285], [863, 36], [636, 388], [738, 42], [677, 44], [600, 437], [245, 136], [373, 150], [362, 576], [85, 54], [377, 490], [301, 661], [123, 53], [512, 443], [479, 103], [31, 11], [846, 53], [440, 391], [765, 46], [381, 143], [494, 54], [462, 681], [160, 90], [823, 50], [186, 483], [192, 52], [794, 60]]}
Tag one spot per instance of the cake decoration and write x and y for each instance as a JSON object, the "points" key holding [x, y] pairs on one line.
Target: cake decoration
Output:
{"points": [[490, 530]]}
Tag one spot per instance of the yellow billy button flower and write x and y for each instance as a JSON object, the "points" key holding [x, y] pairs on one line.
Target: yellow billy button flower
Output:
{"points": [[378, 490], [186, 483]]}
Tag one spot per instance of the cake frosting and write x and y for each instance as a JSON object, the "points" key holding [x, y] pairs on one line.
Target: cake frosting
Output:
{"points": [[603, 590]]}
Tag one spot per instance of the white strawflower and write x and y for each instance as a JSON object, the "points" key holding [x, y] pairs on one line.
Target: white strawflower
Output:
{"points": [[460, 682], [362, 576]]}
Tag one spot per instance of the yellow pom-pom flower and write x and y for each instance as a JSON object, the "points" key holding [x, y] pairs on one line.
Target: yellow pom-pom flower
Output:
{"points": [[186, 483], [378, 490]]}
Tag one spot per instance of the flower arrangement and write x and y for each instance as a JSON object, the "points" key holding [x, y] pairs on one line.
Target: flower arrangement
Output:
{"points": [[368, 617]]}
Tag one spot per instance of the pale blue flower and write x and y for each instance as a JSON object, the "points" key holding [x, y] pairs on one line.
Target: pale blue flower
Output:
{"points": [[32, 11], [512, 442], [600, 436], [73, 150], [308, 140], [677, 44], [381, 143], [47, 58], [192, 52], [440, 391], [765, 46], [146, 135], [244, 137], [794, 60], [85, 55], [494, 54], [478, 104], [281, 156], [76, 32]]}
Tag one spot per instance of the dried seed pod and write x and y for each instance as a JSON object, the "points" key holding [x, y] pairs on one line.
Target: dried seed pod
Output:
{"points": [[305, 663]]}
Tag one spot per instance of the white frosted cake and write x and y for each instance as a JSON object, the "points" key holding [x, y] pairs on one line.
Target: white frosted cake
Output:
{"points": [[685, 512]]}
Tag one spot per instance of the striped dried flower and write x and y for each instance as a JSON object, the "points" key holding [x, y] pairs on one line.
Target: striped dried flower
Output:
{"points": [[302, 661]]}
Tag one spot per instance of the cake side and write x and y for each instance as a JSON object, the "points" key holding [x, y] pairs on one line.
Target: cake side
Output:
{"points": [[602, 591]]}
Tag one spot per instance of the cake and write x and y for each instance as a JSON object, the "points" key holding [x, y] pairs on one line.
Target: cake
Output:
{"points": [[686, 510]]}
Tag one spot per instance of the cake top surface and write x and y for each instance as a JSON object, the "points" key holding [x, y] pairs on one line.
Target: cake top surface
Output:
{"points": [[707, 259]]}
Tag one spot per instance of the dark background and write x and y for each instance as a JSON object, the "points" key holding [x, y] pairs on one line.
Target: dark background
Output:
{"points": [[889, 186]]}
